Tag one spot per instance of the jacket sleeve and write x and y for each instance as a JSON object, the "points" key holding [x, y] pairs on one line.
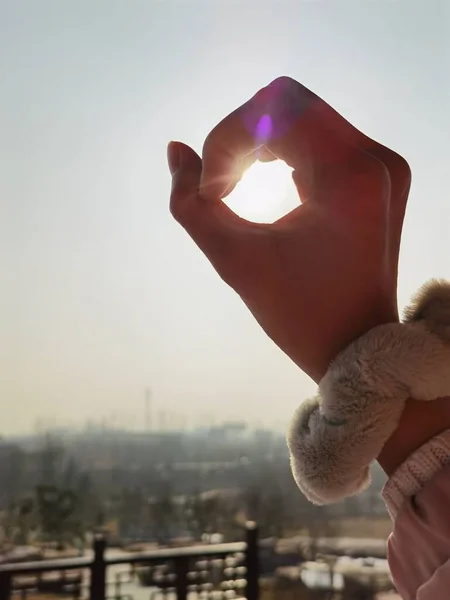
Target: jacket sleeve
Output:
{"points": [[418, 499]]}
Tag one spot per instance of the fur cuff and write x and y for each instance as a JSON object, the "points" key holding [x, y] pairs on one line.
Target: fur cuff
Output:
{"points": [[334, 437]]}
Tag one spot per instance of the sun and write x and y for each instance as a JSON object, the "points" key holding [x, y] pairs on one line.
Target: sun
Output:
{"points": [[265, 193]]}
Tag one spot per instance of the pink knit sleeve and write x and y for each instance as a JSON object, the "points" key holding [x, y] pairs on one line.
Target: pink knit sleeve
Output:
{"points": [[418, 499]]}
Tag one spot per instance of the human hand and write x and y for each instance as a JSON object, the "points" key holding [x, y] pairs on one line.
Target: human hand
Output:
{"points": [[326, 273]]}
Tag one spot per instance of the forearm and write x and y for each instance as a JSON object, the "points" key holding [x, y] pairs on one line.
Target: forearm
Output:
{"points": [[420, 422]]}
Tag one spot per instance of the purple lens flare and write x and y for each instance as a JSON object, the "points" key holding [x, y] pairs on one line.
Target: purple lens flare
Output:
{"points": [[263, 129], [263, 132], [275, 110]]}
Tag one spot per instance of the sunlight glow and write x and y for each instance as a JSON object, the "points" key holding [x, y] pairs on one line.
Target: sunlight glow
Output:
{"points": [[265, 193]]}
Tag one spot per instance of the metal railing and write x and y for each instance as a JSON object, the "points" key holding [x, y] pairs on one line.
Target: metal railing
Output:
{"points": [[232, 570]]}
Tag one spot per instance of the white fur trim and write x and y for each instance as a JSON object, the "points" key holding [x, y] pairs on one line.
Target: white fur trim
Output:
{"points": [[334, 437]]}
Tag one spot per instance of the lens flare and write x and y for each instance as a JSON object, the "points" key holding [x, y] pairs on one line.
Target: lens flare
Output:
{"points": [[263, 129]]}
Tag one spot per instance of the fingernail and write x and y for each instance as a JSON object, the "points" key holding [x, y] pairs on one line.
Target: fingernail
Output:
{"points": [[173, 157]]}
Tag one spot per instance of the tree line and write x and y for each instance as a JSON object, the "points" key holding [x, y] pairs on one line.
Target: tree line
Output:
{"points": [[58, 492]]}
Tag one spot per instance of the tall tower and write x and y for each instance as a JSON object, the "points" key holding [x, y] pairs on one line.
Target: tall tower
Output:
{"points": [[148, 411]]}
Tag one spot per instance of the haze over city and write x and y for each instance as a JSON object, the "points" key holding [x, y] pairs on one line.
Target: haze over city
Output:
{"points": [[102, 294]]}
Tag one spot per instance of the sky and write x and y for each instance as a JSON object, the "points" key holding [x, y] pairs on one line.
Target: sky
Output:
{"points": [[102, 294]]}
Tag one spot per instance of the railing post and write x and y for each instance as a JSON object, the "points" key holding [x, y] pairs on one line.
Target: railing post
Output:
{"points": [[252, 562], [5, 585], [98, 571], [181, 572]]}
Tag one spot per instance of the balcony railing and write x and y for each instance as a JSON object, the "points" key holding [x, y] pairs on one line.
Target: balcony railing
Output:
{"points": [[231, 570]]}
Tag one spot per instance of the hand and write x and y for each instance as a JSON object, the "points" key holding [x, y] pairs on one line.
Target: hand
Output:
{"points": [[325, 273]]}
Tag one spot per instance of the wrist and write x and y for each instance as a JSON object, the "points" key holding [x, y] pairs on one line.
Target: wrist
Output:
{"points": [[364, 409], [336, 337], [420, 422]]}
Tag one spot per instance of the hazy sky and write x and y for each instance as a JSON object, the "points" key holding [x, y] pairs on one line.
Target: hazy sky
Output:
{"points": [[102, 293]]}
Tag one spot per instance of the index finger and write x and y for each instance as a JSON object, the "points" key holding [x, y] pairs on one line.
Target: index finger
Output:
{"points": [[293, 123]]}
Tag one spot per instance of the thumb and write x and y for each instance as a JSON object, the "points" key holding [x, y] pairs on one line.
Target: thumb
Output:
{"points": [[212, 225], [185, 167]]}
